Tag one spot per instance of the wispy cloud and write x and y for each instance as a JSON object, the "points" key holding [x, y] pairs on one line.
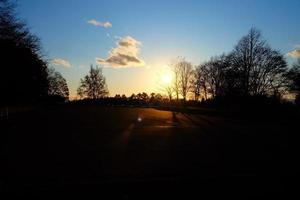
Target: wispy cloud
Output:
{"points": [[297, 46], [61, 62], [125, 54], [98, 23], [294, 54]]}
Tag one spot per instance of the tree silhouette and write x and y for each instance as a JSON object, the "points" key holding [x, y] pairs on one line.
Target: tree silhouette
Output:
{"points": [[293, 75], [155, 99], [57, 85], [211, 75], [158, 98], [152, 96], [123, 96], [93, 85], [196, 83], [169, 90], [117, 96], [176, 81], [183, 72], [132, 97], [251, 69], [23, 72], [260, 69], [142, 97], [185, 75]]}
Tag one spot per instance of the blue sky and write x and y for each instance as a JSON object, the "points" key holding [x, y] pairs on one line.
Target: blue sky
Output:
{"points": [[164, 29]]}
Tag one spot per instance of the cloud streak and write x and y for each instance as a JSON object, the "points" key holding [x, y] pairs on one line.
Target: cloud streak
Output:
{"points": [[98, 23], [61, 62], [125, 54], [297, 46], [294, 54]]}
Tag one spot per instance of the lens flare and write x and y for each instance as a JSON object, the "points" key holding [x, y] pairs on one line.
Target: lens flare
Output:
{"points": [[139, 119]]}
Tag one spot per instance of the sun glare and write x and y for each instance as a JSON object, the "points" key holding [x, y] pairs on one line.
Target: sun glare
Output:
{"points": [[167, 78]]}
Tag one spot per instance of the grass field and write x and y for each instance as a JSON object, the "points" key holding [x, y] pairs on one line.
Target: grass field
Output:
{"points": [[143, 151]]}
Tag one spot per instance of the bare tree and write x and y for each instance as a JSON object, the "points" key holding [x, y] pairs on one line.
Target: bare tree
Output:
{"points": [[260, 69], [246, 52], [167, 90], [196, 83], [57, 85], [185, 75], [176, 82], [183, 72], [214, 72], [203, 79], [93, 85]]}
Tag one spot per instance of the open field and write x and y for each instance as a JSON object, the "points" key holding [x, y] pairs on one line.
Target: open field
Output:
{"points": [[143, 150]]}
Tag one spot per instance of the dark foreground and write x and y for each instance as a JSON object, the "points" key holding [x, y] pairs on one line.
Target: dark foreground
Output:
{"points": [[144, 153]]}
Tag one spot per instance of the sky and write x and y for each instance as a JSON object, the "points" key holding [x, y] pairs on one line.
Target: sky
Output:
{"points": [[134, 41]]}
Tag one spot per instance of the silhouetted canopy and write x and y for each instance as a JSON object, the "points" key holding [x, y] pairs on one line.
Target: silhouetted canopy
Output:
{"points": [[23, 72]]}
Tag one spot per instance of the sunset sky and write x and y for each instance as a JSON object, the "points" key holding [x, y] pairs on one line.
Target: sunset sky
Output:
{"points": [[134, 41]]}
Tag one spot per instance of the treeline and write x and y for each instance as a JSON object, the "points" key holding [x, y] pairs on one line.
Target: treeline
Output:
{"points": [[252, 69], [25, 77], [139, 99], [252, 72]]}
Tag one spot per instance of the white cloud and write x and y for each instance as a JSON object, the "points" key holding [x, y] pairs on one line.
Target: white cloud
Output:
{"points": [[61, 62], [125, 54], [98, 23], [294, 54]]}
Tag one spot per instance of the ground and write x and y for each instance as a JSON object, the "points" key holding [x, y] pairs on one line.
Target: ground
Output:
{"points": [[142, 149]]}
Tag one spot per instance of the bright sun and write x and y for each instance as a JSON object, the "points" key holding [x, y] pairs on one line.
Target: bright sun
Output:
{"points": [[166, 78]]}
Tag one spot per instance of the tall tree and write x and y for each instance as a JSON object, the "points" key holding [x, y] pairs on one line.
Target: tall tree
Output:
{"points": [[186, 72], [169, 91], [260, 69], [203, 77], [213, 75], [183, 72], [93, 85], [196, 83], [57, 85], [176, 81], [23, 72]]}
